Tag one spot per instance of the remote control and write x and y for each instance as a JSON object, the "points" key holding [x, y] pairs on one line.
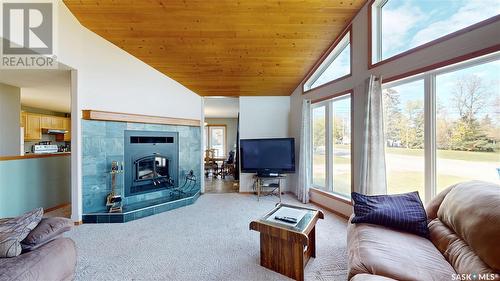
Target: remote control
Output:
{"points": [[286, 219]]}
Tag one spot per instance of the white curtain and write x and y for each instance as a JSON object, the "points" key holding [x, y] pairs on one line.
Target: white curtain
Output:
{"points": [[373, 173], [305, 154]]}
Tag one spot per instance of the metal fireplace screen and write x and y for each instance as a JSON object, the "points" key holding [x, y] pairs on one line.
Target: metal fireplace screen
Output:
{"points": [[151, 161]]}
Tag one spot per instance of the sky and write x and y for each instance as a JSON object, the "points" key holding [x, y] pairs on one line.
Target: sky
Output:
{"points": [[410, 23], [339, 67], [341, 108], [489, 73]]}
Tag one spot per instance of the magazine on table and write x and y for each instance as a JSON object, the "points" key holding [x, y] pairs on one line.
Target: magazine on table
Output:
{"points": [[288, 213]]}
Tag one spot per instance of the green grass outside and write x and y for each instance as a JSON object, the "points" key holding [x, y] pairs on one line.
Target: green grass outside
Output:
{"points": [[445, 154], [398, 182], [319, 173], [449, 154], [341, 182], [401, 182]]}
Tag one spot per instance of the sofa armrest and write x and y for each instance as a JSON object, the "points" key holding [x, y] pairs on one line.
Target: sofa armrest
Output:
{"points": [[432, 208]]}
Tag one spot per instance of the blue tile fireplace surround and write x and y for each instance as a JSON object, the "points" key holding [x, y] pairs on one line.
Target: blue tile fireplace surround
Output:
{"points": [[106, 141]]}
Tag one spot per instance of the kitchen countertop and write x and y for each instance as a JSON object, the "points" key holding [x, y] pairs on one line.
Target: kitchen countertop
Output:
{"points": [[34, 155]]}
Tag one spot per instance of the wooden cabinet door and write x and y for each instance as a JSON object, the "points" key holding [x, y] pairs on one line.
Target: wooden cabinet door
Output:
{"points": [[67, 127], [46, 122], [33, 129], [57, 122]]}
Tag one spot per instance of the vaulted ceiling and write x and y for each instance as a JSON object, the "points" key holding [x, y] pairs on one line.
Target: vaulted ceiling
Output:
{"points": [[222, 47]]}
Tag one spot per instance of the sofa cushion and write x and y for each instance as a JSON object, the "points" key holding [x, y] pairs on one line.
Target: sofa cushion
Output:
{"points": [[47, 230], [14, 230], [472, 211], [455, 250], [378, 250], [55, 260], [400, 211]]}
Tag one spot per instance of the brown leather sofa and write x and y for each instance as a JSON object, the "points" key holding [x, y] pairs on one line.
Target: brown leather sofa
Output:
{"points": [[464, 224], [53, 260]]}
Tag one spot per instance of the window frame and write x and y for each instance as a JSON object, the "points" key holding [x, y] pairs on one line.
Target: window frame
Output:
{"points": [[378, 9], [327, 59], [329, 113], [430, 100], [209, 138]]}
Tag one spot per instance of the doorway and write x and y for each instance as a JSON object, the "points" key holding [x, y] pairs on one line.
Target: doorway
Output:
{"points": [[39, 130], [221, 140]]}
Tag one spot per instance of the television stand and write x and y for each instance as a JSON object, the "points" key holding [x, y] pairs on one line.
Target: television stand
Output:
{"points": [[268, 175], [262, 182]]}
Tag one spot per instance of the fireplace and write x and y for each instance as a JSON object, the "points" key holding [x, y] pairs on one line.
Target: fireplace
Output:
{"points": [[151, 161]]}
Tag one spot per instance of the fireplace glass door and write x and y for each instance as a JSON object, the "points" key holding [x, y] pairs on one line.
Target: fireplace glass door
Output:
{"points": [[151, 167], [161, 166]]}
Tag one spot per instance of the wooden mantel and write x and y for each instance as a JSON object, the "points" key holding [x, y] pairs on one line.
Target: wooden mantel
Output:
{"points": [[137, 118]]}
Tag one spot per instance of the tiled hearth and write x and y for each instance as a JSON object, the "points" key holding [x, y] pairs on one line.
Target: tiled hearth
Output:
{"points": [[104, 142]]}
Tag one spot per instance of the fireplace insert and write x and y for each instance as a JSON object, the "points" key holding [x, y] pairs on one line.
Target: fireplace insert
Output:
{"points": [[151, 161]]}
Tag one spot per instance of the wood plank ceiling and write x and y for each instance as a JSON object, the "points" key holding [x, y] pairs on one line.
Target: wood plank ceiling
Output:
{"points": [[222, 47]]}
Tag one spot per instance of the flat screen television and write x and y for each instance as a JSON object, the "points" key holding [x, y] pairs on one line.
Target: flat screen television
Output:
{"points": [[268, 156]]}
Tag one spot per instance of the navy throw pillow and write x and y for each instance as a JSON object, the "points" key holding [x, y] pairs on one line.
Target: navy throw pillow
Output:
{"points": [[400, 211]]}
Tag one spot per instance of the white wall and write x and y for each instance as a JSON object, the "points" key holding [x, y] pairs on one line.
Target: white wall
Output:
{"points": [[111, 79], [105, 77], [262, 117], [469, 42], [10, 110]]}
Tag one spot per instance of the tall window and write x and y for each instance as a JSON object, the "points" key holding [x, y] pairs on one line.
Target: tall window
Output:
{"points": [[341, 136], [468, 124], [331, 133], [443, 127], [319, 145], [398, 26], [404, 135], [335, 66], [216, 139]]}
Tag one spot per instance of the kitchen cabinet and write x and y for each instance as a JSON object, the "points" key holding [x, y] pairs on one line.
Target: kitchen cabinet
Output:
{"points": [[34, 123], [58, 123], [67, 127], [52, 122], [46, 122], [32, 127]]}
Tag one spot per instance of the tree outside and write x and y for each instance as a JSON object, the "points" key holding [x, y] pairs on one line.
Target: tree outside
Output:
{"points": [[467, 133]]}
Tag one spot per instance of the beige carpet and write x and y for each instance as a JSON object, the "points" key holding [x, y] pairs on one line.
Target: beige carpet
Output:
{"points": [[209, 240]]}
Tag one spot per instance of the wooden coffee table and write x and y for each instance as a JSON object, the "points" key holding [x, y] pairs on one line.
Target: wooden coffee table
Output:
{"points": [[286, 248]]}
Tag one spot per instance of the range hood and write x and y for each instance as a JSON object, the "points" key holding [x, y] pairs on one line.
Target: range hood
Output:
{"points": [[54, 131]]}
